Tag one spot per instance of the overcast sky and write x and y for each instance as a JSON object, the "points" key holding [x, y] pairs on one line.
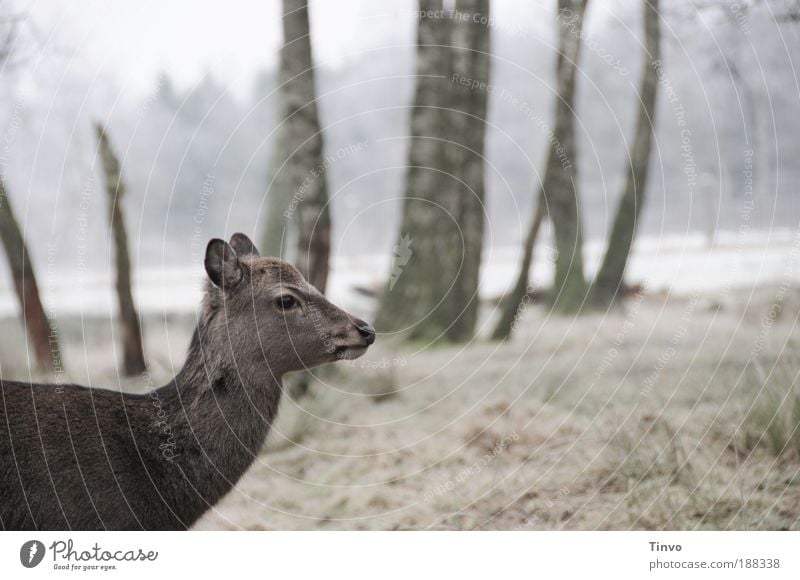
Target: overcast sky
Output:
{"points": [[134, 41]]}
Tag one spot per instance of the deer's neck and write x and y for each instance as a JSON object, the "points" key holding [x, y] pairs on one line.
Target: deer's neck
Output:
{"points": [[222, 392], [219, 410]]}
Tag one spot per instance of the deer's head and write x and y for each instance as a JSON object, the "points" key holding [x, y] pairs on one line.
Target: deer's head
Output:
{"points": [[270, 310]]}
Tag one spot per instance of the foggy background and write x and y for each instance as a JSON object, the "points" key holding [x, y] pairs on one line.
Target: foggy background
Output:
{"points": [[190, 96], [668, 398]]}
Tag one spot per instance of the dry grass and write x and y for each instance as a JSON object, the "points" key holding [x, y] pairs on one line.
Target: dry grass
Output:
{"points": [[658, 417], [773, 419], [671, 414]]}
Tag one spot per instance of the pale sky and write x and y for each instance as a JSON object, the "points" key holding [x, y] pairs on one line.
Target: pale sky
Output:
{"points": [[135, 40]]}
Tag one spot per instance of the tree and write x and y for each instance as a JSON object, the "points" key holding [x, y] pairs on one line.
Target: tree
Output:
{"points": [[297, 200], [609, 281], [41, 332], [511, 305], [471, 39], [413, 294], [560, 185], [558, 191], [276, 237], [433, 289], [130, 330], [300, 153]]}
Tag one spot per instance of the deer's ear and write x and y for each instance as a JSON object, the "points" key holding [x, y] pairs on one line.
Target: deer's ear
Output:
{"points": [[243, 245], [222, 265]]}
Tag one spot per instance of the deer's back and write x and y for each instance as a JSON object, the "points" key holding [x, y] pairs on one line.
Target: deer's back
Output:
{"points": [[77, 458]]}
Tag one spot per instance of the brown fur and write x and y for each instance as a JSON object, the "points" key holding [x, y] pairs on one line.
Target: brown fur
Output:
{"points": [[86, 459]]}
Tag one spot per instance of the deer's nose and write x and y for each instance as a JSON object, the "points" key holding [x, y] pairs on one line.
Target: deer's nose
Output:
{"points": [[366, 331]]}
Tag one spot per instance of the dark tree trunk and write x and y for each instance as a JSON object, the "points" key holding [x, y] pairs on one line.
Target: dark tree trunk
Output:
{"points": [[561, 173], [41, 332], [130, 330], [412, 296], [470, 60], [277, 235], [609, 281], [433, 291], [512, 303], [299, 209], [305, 168]]}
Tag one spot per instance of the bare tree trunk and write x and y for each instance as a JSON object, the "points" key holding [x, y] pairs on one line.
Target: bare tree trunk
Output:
{"points": [[308, 206], [512, 303], [41, 332], [131, 333], [561, 173], [301, 184], [277, 235], [609, 281], [471, 40], [433, 291], [412, 296]]}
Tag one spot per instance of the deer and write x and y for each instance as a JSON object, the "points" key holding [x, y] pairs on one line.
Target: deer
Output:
{"points": [[78, 458]]}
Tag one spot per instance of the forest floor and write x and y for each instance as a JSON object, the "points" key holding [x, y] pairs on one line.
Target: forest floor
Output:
{"points": [[669, 413]]}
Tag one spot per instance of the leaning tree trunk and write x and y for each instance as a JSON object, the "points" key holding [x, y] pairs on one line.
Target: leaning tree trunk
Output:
{"points": [[133, 353], [561, 173], [305, 167], [610, 276], [41, 332], [512, 304], [471, 41]]}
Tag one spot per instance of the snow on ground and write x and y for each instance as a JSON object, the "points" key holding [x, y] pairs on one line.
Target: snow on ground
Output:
{"points": [[682, 264], [673, 412], [642, 418]]}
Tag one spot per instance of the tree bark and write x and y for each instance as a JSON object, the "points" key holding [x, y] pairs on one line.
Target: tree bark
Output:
{"points": [[41, 332], [130, 329], [277, 235], [609, 281], [412, 296], [308, 209], [512, 304], [471, 39], [561, 173], [433, 291]]}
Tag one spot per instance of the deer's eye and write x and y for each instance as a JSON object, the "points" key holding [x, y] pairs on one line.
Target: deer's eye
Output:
{"points": [[285, 302]]}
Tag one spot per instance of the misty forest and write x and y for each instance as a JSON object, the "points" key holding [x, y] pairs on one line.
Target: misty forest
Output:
{"points": [[574, 225]]}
